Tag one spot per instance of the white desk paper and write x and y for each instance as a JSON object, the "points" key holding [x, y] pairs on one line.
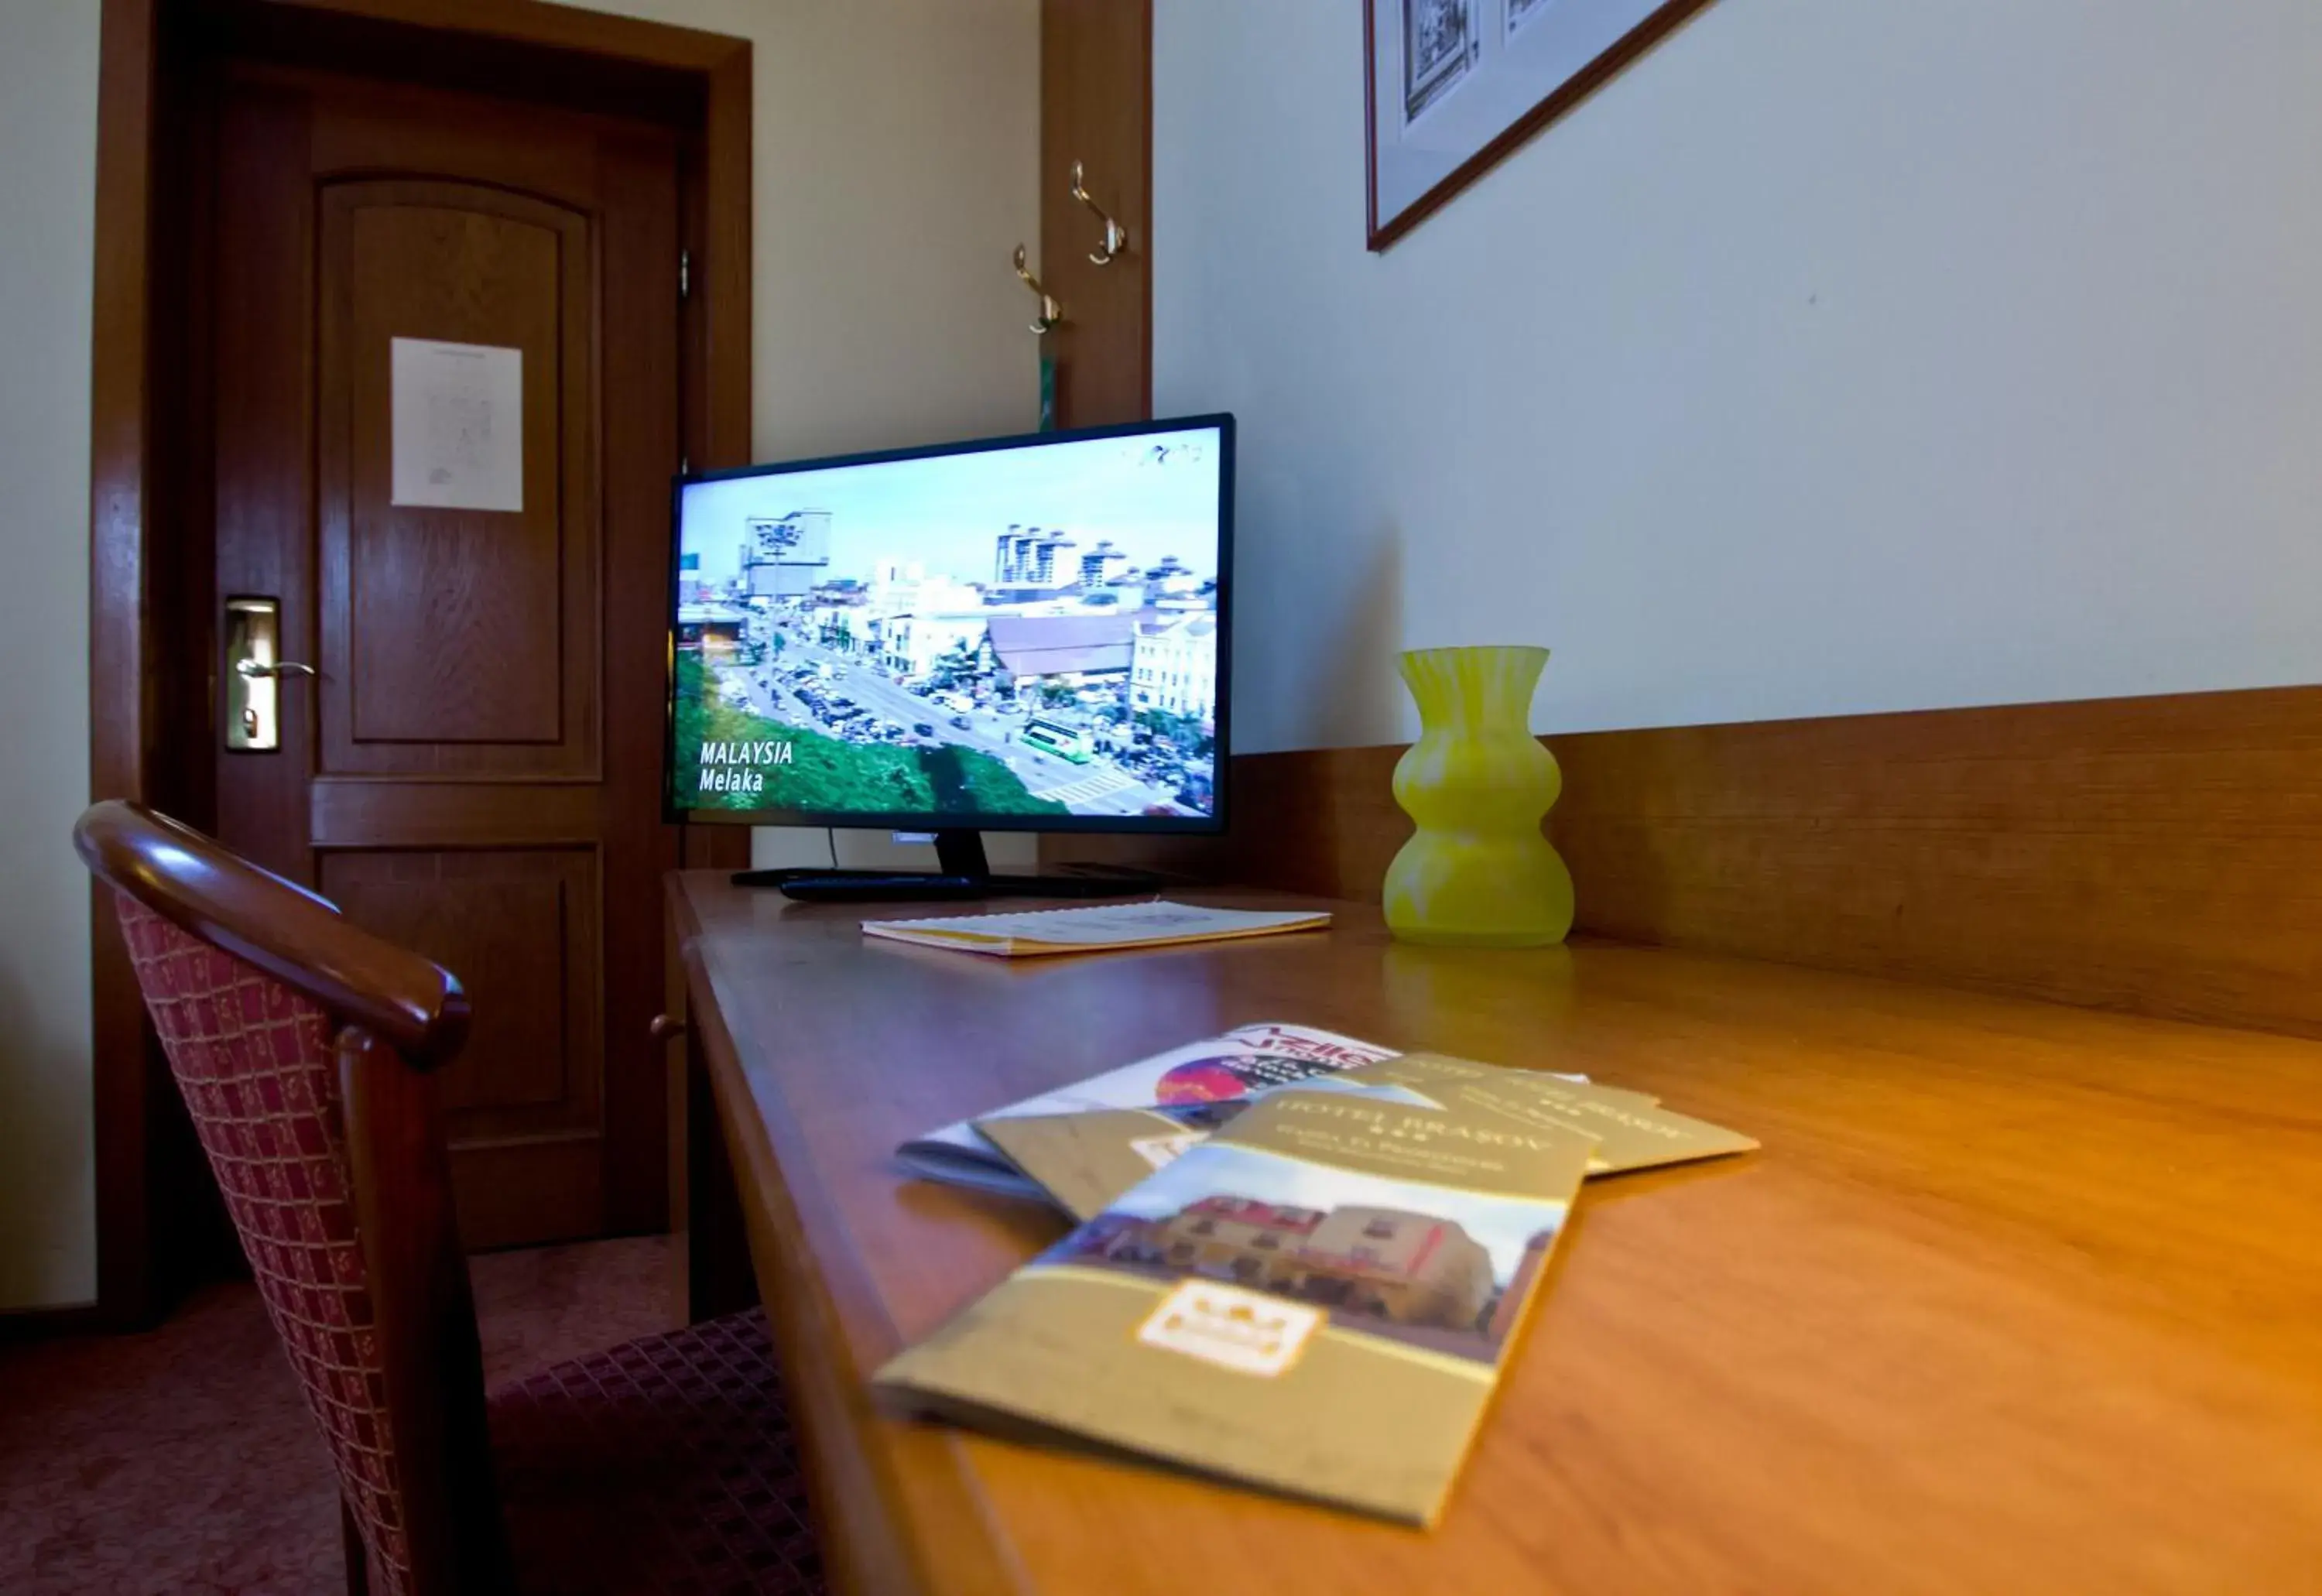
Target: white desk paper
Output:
{"points": [[457, 413]]}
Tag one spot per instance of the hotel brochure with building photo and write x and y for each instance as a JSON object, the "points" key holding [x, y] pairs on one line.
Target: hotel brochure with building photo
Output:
{"points": [[1215, 1070], [1085, 1161], [1317, 1300]]}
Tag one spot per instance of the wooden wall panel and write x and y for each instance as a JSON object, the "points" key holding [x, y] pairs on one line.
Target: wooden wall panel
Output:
{"points": [[1320, 821], [2161, 855], [1096, 95], [2158, 856]]}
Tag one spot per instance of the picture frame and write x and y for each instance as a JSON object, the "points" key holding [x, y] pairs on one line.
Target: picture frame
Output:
{"points": [[1452, 88]]}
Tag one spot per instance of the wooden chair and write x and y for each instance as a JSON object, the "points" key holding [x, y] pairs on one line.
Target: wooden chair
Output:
{"points": [[305, 1050]]}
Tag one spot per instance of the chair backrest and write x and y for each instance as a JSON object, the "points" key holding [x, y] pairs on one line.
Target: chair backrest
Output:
{"points": [[304, 1048]]}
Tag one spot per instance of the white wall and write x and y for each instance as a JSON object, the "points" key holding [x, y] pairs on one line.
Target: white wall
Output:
{"points": [[894, 164], [1836, 357], [894, 159], [48, 167]]}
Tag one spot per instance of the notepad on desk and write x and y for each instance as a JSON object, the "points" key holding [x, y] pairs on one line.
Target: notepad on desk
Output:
{"points": [[1042, 932]]}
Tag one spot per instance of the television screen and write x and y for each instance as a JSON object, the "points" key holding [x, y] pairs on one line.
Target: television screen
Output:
{"points": [[1026, 633]]}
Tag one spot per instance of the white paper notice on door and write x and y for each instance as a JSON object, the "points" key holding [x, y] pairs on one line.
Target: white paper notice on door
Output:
{"points": [[457, 415]]}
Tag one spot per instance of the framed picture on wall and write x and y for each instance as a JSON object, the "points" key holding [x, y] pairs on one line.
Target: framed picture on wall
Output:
{"points": [[1453, 86]]}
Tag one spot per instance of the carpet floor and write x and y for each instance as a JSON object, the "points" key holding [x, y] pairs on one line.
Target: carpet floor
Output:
{"points": [[183, 1461]]}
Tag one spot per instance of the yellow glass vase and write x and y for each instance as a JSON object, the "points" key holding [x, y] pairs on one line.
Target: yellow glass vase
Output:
{"points": [[1478, 872]]}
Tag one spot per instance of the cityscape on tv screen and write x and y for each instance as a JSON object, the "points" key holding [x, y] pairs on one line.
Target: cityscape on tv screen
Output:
{"points": [[1025, 632]]}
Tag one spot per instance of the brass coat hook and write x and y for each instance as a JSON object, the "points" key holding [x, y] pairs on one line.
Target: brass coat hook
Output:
{"points": [[1116, 236], [1051, 313]]}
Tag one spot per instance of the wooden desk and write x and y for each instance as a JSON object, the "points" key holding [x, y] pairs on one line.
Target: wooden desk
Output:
{"points": [[2015, 1298]]}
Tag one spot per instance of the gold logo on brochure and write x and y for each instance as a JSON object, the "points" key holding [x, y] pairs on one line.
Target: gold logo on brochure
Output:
{"points": [[1247, 1332]]}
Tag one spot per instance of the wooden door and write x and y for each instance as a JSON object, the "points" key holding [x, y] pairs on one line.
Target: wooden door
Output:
{"points": [[1096, 93], [474, 770]]}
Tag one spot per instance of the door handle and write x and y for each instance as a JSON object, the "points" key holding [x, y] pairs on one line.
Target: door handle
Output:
{"points": [[253, 639]]}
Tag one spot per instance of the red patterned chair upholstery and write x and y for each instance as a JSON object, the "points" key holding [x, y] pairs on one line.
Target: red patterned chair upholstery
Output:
{"points": [[304, 1049]]}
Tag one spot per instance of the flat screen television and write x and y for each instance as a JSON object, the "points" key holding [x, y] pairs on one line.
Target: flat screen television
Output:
{"points": [[1022, 634]]}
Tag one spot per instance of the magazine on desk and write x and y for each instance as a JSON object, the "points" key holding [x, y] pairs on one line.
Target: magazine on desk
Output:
{"points": [[1044, 933], [1218, 1069]]}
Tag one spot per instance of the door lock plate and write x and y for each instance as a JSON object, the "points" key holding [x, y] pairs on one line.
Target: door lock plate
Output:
{"points": [[254, 694]]}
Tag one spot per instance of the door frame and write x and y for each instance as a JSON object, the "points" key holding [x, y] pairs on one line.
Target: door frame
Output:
{"points": [[132, 537]]}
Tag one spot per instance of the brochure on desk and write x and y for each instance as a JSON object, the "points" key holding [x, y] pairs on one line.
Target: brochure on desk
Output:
{"points": [[1215, 1070], [1318, 1299], [1085, 1161]]}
